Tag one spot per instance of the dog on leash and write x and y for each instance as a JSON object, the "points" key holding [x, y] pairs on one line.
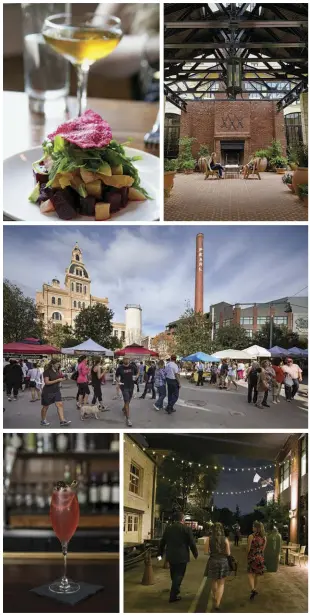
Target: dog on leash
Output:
{"points": [[89, 410]]}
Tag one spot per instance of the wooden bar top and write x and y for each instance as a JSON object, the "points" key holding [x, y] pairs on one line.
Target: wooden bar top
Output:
{"points": [[20, 576]]}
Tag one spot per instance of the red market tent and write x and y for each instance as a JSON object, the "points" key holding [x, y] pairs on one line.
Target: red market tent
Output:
{"points": [[22, 349], [135, 350]]}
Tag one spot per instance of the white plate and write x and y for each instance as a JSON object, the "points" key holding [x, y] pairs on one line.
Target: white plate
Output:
{"points": [[19, 182]]}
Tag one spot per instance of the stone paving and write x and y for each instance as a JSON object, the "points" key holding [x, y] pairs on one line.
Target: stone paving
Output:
{"points": [[197, 407], [285, 591], [193, 198]]}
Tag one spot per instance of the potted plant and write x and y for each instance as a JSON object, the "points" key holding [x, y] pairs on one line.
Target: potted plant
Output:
{"points": [[275, 156], [292, 158], [279, 163], [186, 161], [287, 180], [301, 174], [170, 167], [203, 153], [263, 155], [302, 191]]}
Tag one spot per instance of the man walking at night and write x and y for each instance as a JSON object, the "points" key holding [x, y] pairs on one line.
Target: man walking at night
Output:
{"points": [[177, 541]]}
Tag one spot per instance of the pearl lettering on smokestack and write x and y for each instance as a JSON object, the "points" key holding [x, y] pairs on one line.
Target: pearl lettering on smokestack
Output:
{"points": [[199, 274]]}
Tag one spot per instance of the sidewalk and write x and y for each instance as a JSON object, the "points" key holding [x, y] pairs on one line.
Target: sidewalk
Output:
{"points": [[283, 592]]}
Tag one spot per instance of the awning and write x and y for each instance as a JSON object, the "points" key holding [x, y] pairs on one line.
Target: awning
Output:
{"points": [[88, 347]]}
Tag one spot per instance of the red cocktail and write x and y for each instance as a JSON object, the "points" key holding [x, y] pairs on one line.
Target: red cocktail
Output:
{"points": [[65, 514]]}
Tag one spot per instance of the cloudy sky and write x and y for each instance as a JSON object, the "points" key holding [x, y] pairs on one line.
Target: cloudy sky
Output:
{"points": [[155, 265]]}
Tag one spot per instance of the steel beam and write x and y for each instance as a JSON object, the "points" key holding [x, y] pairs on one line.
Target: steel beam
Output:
{"points": [[293, 95], [214, 24], [262, 45], [216, 61]]}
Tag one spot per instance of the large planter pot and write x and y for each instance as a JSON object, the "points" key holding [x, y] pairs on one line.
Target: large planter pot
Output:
{"points": [[168, 182], [188, 171], [202, 165], [300, 176], [280, 171], [263, 164], [304, 199], [293, 166], [272, 551], [290, 186]]}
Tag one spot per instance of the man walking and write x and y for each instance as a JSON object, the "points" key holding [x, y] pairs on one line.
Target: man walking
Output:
{"points": [[177, 541], [173, 384], [125, 375], [292, 371], [150, 378], [200, 374]]}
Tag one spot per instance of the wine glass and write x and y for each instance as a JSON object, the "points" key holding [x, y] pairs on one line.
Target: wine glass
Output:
{"points": [[65, 514], [82, 41]]}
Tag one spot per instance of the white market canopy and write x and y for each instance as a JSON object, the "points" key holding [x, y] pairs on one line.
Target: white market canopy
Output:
{"points": [[231, 353], [88, 347], [257, 351]]}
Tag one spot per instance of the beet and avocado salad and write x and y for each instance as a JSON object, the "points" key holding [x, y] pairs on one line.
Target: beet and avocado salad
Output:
{"points": [[84, 171]]}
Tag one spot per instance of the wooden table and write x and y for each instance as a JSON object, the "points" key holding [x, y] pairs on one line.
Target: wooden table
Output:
{"points": [[22, 575], [286, 548], [23, 129]]}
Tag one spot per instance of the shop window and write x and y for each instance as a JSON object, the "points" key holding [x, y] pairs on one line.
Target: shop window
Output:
{"points": [[285, 475], [135, 479]]}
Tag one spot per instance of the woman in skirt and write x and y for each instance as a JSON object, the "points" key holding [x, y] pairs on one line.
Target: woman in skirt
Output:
{"points": [[256, 563], [51, 393], [217, 569]]}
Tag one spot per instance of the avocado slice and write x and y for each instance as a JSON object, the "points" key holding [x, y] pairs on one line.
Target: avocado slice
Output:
{"points": [[105, 169], [33, 197]]}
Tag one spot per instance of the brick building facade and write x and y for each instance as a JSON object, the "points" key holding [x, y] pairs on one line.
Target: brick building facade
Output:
{"points": [[291, 485], [233, 129]]}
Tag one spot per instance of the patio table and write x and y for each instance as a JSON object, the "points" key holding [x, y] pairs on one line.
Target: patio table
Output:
{"points": [[232, 170]]}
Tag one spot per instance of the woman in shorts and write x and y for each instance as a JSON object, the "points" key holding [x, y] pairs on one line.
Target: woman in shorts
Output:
{"points": [[35, 382], [82, 381], [51, 393]]}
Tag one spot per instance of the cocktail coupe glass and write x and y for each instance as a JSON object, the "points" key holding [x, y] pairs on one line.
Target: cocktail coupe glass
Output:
{"points": [[82, 41], [65, 514]]}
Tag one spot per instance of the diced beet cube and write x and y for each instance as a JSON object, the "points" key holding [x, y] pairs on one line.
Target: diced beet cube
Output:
{"points": [[87, 205], [42, 178], [124, 196], [115, 200], [64, 204], [45, 193]]}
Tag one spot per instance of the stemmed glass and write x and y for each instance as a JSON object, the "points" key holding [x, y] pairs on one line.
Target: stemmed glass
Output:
{"points": [[82, 41], [65, 514]]}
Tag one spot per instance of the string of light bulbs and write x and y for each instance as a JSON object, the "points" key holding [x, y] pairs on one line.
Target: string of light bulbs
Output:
{"points": [[219, 492]]}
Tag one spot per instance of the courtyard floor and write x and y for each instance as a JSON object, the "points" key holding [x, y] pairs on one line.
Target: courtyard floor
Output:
{"points": [[193, 198], [285, 591]]}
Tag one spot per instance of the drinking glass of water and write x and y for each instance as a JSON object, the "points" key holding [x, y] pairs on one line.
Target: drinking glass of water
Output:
{"points": [[46, 73]]}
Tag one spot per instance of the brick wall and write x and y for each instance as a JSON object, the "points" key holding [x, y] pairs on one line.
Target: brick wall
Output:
{"points": [[253, 121]]}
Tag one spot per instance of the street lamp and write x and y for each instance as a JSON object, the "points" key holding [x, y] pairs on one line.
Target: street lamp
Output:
{"points": [[234, 76]]}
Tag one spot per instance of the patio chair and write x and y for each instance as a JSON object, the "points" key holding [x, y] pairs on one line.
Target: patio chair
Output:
{"points": [[299, 555], [294, 548], [282, 558], [209, 171], [254, 170]]}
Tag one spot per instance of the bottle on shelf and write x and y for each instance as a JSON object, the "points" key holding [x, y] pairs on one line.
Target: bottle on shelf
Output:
{"points": [[91, 442], [115, 491], [30, 442], [40, 443], [48, 446], [114, 442], [62, 442], [67, 474], [93, 493], [80, 446], [80, 475], [39, 498], [105, 493], [19, 496], [28, 496]]}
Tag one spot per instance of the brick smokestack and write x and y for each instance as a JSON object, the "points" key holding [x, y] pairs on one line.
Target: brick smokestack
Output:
{"points": [[199, 273]]}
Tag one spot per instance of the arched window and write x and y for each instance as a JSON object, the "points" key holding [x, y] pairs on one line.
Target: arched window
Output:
{"points": [[77, 258], [79, 305], [53, 301], [74, 304], [72, 286], [78, 287], [83, 305], [85, 290], [58, 301], [56, 316]]}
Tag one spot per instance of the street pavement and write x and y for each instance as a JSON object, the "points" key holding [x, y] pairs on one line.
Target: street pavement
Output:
{"points": [[285, 591], [198, 407]]}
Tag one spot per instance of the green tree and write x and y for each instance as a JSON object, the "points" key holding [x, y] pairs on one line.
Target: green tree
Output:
{"points": [[61, 336], [193, 333], [233, 336], [274, 513], [237, 514], [95, 322], [21, 317], [281, 336]]}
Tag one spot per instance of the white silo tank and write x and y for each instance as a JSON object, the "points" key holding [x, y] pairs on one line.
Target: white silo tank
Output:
{"points": [[133, 321]]}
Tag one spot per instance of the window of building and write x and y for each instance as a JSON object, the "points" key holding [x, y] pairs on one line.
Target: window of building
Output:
{"points": [[53, 301], [79, 305], [172, 135], [79, 288], [270, 496], [216, 326], [261, 320], [58, 301], [249, 332], [74, 304], [115, 333], [246, 320], [56, 316], [280, 320], [227, 323], [135, 479], [123, 335], [72, 286], [135, 523], [85, 290], [303, 455], [129, 523], [293, 129], [77, 258], [285, 475], [83, 305]]}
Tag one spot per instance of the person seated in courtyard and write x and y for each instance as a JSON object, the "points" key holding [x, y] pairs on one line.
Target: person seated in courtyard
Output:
{"points": [[216, 166]]}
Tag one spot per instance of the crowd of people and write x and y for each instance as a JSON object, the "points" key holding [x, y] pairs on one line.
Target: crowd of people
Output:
{"points": [[178, 541]]}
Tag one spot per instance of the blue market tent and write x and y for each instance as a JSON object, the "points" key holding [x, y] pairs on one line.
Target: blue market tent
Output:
{"points": [[277, 351], [201, 356], [297, 352]]}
